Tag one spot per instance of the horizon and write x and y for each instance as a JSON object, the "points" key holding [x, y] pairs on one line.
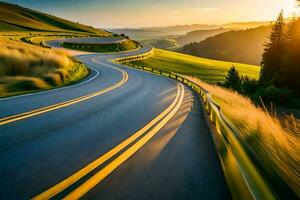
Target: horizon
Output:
{"points": [[200, 24], [142, 14]]}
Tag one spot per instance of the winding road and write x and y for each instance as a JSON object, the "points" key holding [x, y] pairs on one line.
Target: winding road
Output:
{"points": [[120, 133]]}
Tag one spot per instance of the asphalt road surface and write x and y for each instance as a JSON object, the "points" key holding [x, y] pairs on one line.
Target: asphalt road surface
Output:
{"points": [[120, 133]]}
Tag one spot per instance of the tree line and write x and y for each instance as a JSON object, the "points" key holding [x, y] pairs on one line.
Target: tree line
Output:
{"points": [[279, 80]]}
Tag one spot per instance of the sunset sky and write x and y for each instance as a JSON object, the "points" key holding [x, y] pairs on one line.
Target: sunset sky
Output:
{"points": [[141, 13]]}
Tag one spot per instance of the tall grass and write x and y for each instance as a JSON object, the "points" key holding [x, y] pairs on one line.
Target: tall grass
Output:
{"points": [[29, 67], [17, 58], [125, 45], [274, 145]]}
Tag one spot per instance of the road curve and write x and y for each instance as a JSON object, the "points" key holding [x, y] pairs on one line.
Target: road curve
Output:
{"points": [[119, 134]]}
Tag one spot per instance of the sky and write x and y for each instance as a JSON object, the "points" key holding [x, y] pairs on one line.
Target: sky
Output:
{"points": [[146, 13]]}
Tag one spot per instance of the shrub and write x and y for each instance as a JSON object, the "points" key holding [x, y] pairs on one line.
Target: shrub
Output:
{"points": [[281, 96], [249, 86]]}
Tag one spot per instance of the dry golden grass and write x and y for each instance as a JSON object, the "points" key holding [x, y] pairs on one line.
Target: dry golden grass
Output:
{"points": [[28, 60], [274, 145], [26, 67]]}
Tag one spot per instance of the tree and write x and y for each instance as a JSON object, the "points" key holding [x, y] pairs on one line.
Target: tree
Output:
{"points": [[290, 76], [272, 59], [233, 79]]}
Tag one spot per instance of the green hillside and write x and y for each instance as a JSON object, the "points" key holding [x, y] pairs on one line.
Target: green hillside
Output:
{"points": [[205, 69], [16, 18], [244, 46]]}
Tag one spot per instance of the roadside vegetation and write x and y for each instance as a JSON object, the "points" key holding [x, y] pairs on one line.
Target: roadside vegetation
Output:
{"points": [[212, 71], [124, 45], [26, 68], [274, 143], [279, 77]]}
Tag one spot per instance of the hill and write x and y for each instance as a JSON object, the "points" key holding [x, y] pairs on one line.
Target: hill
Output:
{"points": [[198, 35], [16, 18], [167, 44], [244, 46], [205, 69]]}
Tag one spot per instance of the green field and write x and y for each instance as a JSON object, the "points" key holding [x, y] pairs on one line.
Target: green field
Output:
{"points": [[126, 45], [205, 69]]}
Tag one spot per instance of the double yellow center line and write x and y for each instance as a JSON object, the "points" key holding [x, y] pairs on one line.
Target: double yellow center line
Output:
{"points": [[151, 129], [39, 111]]}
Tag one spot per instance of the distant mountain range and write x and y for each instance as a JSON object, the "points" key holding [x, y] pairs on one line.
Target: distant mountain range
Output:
{"points": [[159, 32], [17, 18]]}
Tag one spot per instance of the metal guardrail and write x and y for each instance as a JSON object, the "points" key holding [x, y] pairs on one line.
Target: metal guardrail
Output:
{"points": [[242, 177]]}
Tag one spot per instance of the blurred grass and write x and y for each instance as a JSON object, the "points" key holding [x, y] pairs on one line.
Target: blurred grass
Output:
{"points": [[26, 68], [205, 69], [274, 145]]}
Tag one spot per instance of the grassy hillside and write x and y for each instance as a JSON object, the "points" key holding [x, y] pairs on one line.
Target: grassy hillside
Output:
{"points": [[205, 69], [16, 18], [168, 44], [124, 45], [244, 46], [30, 68]]}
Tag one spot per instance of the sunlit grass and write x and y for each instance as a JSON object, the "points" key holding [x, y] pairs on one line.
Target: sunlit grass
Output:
{"points": [[274, 145], [27, 67], [126, 45], [205, 69]]}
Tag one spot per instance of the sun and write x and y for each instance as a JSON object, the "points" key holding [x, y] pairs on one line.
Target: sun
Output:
{"points": [[289, 7]]}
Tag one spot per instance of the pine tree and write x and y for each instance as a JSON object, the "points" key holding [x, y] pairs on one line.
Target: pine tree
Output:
{"points": [[233, 79], [290, 76], [272, 57]]}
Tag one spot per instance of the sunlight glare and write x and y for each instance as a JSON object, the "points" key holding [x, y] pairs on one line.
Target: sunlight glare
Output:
{"points": [[290, 7]]}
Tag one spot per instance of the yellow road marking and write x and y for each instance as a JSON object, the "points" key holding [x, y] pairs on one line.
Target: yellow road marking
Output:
{"points": [[98, 177], [39, 111], [87, 169]]}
